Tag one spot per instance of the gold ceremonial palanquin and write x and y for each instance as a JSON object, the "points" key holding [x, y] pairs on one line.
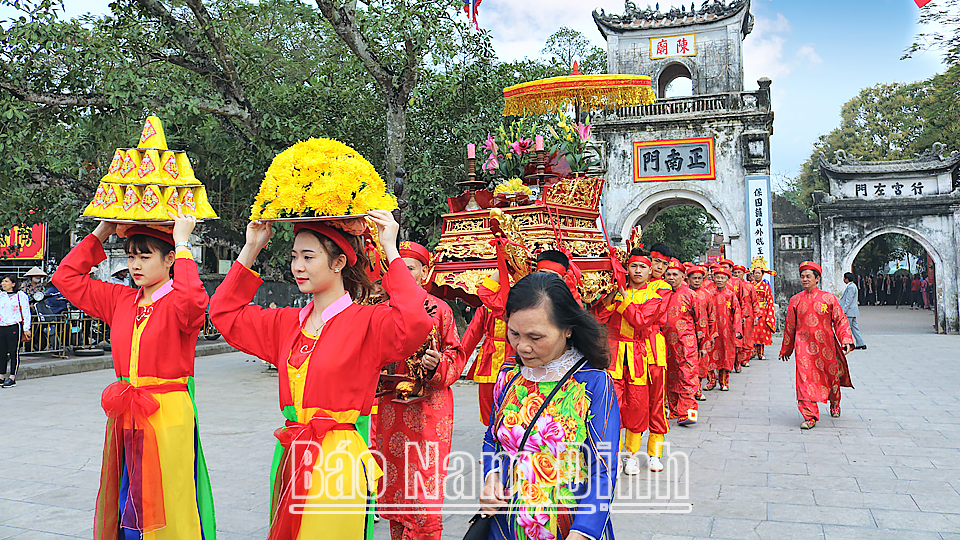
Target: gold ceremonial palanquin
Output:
{"points": [[465, 256]]}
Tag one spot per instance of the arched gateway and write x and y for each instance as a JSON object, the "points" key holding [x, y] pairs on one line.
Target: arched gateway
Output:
{"points": [[710, 149], [918, 198]]}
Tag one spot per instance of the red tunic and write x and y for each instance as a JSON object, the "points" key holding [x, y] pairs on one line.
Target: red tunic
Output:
{"points": [[729, 324], [496, 350], [746, 295], [766, 316], [709, 285], [630, 319], [339, 385], [705, 320], [422, 422], [680, 333], [815, 329]]}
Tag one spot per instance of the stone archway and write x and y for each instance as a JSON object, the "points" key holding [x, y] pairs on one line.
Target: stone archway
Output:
{"points": [[942, 274], [653, 204], [671, 72]]}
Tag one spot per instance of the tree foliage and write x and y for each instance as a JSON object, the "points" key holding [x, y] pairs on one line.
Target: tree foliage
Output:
{"points": [[878, 252], [567, 45], [687, 229]]}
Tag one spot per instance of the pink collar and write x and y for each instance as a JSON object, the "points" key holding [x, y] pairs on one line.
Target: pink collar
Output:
{"points": [[333, 309], [164, 290]]}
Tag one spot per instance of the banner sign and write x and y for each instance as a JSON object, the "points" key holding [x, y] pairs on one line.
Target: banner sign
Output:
{"points": [[674, 159], [21, 244], [759, 221], [662, 47]]}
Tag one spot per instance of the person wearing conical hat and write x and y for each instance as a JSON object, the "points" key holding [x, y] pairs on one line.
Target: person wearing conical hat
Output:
{"points": [[33, 282], [426, 426], [153, 480], [818, 332], [329, 356], [764, 310]]}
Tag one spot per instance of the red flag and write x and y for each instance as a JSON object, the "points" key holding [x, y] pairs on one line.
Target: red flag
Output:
{"points": [[921, 3]]}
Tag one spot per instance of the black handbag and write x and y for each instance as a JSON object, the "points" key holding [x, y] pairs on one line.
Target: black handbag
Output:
{"points": [[480, 524]]}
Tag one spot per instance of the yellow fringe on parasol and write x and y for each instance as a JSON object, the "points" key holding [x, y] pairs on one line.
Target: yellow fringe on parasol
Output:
{"points": [[545, 96]]}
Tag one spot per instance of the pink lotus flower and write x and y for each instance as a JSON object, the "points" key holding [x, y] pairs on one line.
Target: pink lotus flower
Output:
{"points": [[510, 437], [551, 432], [583, 131], [534, 524], [522, 146], [490, 145]]}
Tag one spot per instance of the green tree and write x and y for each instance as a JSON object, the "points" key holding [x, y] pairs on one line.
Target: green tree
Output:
{"points": [[687, 230], [566, 45]]}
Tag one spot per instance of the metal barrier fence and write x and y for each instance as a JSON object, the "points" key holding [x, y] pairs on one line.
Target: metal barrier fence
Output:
{"points": [[77, 330]]}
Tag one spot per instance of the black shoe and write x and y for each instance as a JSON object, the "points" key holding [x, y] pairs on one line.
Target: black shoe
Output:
{"points": [[862, 347], [9, 383]]}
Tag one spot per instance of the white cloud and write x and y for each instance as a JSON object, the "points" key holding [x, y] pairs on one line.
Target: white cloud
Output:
{"points": [[808, 55], [763, 49]]}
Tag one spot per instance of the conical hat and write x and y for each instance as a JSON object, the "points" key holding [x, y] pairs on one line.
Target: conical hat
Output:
{"points": [[96, 205], [149, 170], [186, 170], [112, 205], [204, 210], [128, 169], [151, 204], [189, 202], [169, 171], [35, 271], [113, 173], [171, 199], [152, 135]]}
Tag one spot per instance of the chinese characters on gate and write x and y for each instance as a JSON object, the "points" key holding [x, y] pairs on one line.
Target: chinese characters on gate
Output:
{"points": [[887, 189], [759, 220], [676, 159], [663, 47]]}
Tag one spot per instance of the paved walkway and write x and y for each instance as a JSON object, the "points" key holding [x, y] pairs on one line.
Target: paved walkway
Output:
{"points": [[888, 468]]}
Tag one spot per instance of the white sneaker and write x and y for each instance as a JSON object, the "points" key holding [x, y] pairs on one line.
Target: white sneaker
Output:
{"points": [[655, 464], [631, 466]]}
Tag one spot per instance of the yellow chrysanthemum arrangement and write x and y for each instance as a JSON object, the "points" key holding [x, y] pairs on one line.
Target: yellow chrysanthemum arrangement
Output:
{"points": [[514, 185], [317, 178]]}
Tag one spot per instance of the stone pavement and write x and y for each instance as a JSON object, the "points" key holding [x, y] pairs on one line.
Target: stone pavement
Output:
{"points": [[888, 468]]}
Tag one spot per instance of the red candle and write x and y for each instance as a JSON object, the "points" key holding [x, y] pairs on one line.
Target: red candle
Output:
{"points": [[471, 151], [539, 143]]}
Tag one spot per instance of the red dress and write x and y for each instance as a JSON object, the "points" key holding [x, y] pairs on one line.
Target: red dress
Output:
{"points": [[729, 324], [746, 295], [815, 329], [766, 316], [680, 333], [705, 319], [336, 393], [420, 470]]}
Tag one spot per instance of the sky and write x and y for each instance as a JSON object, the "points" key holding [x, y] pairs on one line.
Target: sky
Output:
{"points": [[818, 53]]}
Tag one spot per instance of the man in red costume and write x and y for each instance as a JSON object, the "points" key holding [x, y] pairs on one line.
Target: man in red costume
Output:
{"points": [[705, 319], [680, 331], [630, 317], [729, 331], [488, 323], [745, 294], [660, 258], [708, 283], [818, 331], [414, 438], [765, 311]]}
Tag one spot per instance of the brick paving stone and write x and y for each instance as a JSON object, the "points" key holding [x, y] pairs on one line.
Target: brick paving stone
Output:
{"points": [[887, 468]]}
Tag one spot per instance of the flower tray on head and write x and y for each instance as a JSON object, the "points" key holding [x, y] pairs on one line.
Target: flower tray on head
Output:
{"points": [[320, 179], [149, 183]]}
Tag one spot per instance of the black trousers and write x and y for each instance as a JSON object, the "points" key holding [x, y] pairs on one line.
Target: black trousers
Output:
{"points": [[10, 348]]}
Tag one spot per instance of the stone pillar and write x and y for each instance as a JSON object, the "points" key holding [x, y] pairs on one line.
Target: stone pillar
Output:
{"points": [[947, 286]]}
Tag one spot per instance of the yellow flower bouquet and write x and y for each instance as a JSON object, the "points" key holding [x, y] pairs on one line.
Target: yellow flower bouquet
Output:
{"points": [[320, 178]]}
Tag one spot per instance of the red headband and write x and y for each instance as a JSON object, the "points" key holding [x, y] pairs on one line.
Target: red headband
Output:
{"points": [[696, 270], [723, 271], [334, 235], [810, 265], [150, 231], [414, 250], [551, 265], [658, 255], [639, 259]]}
